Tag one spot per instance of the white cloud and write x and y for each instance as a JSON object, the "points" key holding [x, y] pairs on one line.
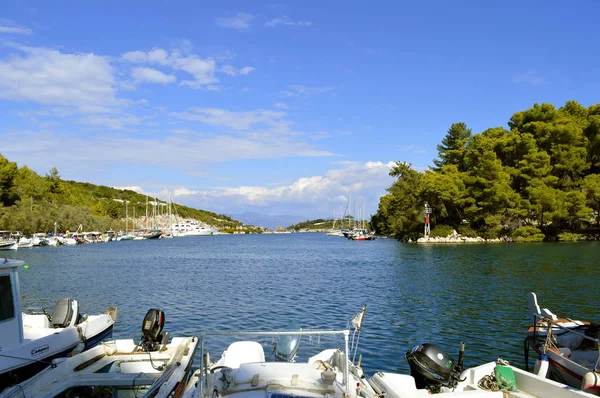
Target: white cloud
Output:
{"points": [[113, 121], [228, 70], [281, 105], [51, 77], [235, 120], [532, 77], [240, 22], [231, 71], [151, 76], [156, 55], [9, 27], [315, 195], [246, 70], [183, 192], [286, 21], [299, 90], [202, 69], [85, 155]]}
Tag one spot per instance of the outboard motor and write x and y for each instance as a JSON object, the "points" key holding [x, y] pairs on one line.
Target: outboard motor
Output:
{"points": [[432, 368], [152, 336], [65, 313]]}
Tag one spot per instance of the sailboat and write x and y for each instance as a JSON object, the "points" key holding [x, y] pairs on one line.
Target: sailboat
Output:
{"points": [[126, 235]]}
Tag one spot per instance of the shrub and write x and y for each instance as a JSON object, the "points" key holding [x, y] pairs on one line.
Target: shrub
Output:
{"points": [[528, 234], [569, 237], [467, 231], [442, 231]]}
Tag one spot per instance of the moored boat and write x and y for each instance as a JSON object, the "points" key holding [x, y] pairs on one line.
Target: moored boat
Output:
{"points": [[152, 368], [243, 371], [25, 242], [9, 245], [29, 340], [567, 348]]}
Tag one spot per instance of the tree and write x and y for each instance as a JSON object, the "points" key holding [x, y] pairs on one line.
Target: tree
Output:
{"points": [[8, 172], [452, 149], [446, 192], [54, 182], [488, 182], [591, 189], [399, 213]]}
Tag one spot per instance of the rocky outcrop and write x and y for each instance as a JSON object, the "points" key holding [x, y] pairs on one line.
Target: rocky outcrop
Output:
{"points": [[457, 238]]}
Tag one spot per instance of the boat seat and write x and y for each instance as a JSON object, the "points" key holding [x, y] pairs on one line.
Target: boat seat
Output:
{"points": [[35, 321], [242, 352], [534, 309], [66, 312]]}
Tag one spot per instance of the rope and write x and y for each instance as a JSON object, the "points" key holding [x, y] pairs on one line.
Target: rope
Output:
{"points": [[489, 382]]}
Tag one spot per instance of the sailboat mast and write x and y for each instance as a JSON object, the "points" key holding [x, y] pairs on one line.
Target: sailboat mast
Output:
{"points": [[146, 212]]}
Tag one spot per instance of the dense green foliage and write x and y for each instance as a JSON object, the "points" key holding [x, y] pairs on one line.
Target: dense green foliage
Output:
{"points": [[542, 173], [31, 203]]}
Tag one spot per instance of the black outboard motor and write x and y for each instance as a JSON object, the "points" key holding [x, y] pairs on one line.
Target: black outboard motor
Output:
{"points": [[152, 336], [431, 367]]}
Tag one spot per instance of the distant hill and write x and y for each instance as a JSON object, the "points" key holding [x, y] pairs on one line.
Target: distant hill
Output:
{"points": [[266, 221], [32, 203], [322, 224]]}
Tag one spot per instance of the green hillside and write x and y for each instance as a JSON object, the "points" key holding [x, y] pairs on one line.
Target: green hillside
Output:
{"points": [[322, 224], [31, 203]]}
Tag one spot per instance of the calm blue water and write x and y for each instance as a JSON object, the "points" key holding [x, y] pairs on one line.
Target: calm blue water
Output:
{"points": [[415, 293]]}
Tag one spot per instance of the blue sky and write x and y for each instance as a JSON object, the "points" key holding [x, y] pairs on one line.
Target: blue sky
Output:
{"points": [[277, 108]]}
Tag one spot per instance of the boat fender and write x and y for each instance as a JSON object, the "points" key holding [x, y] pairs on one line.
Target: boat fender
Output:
{"points": [[57, 361], [541, 366], [505, 377], [591, 383]]}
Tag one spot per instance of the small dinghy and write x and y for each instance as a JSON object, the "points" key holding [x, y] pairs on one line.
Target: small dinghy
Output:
{"points": [[152, 368], [567, 349], [29, 341]]}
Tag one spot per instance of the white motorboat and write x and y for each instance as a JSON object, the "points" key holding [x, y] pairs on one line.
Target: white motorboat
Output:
{"points": [[38, 239], [242, 371], [51, 241], [9, 245], [152, 368], [25, 242], [567, 348], [30, 340]]}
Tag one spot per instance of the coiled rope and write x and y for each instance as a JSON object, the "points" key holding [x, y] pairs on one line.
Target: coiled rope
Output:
{"points": [[489, 382]]}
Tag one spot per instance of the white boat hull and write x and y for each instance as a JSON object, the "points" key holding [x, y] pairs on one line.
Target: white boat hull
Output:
{"points": [[12, 245]]}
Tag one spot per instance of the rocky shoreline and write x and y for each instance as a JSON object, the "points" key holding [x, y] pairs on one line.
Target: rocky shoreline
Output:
{"points": [[461, 239]]}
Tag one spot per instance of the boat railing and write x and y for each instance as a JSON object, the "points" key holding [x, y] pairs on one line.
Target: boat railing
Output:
{"points": [[204, 367]]}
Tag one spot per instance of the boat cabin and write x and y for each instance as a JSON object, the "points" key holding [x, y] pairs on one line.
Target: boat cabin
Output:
{"points": [[11, 322]]}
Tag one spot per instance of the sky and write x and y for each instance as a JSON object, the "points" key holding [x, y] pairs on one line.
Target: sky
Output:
{"points": [[275, 107]]}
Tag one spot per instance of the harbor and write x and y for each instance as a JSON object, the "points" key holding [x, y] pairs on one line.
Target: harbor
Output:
{"points": [[415, 293]]}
